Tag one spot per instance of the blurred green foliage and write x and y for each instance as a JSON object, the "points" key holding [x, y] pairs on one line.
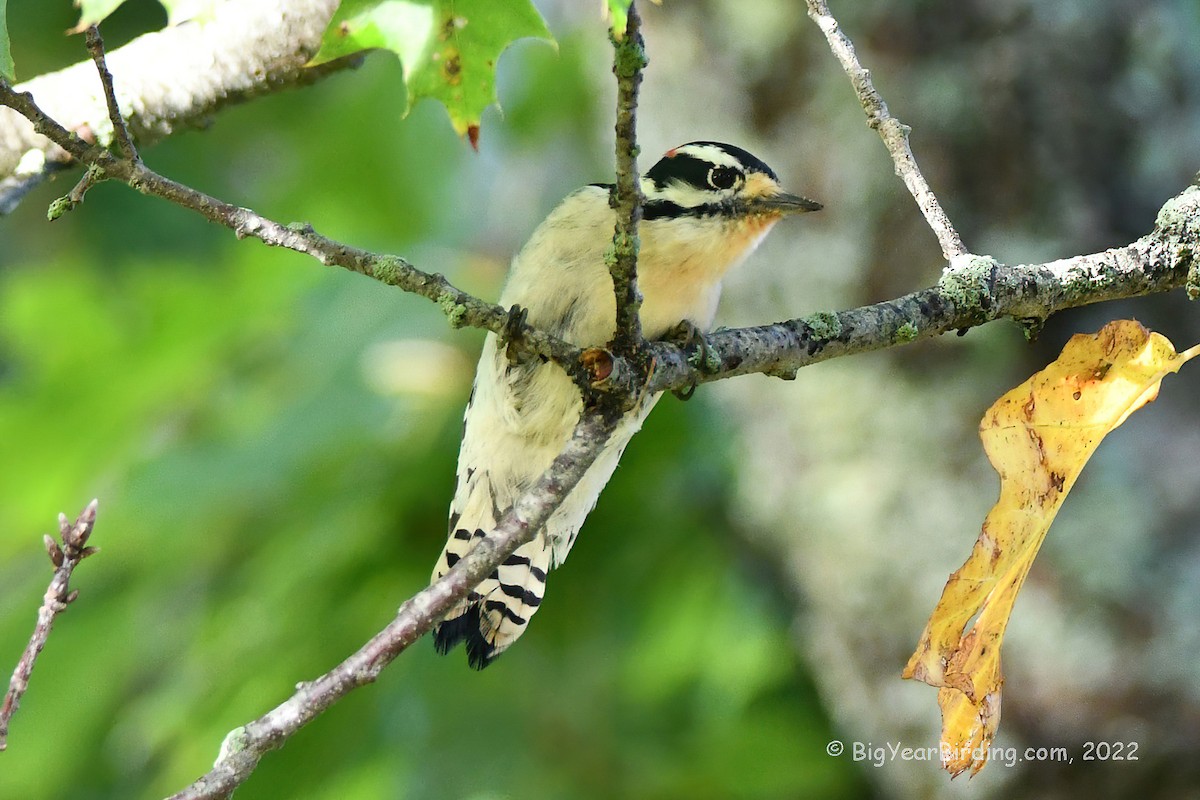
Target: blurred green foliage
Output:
{"points": [[273, 481]]}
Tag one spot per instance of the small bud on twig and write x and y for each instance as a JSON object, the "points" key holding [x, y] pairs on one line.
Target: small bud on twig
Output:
{"points": [[56, 553], [76, 536]]}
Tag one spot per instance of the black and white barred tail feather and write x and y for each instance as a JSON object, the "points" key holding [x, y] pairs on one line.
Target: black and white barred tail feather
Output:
{"points": [[496, 612]]}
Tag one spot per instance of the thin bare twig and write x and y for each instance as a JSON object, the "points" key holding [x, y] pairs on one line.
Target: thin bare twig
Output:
{"points": [[245, 746], [65, 557], [95, 46], [893, 132], [629, 58]]}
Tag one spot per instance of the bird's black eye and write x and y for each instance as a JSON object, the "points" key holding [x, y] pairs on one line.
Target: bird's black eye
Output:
{"points": [[723, 177]]}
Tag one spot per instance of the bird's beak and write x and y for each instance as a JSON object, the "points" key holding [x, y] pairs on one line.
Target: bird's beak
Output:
{"points": [[784, 203]]}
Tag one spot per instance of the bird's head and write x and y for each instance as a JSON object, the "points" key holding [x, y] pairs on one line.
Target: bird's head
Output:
{"points": [[715, 180]]}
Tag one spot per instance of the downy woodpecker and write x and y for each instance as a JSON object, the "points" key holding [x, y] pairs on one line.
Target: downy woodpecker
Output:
{"points": [[707, 206]]}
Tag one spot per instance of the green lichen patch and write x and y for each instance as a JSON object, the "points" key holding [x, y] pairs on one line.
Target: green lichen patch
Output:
{"points": [[387, 269], [965, 279], [823, 324], [455, 311], [906, 333]]}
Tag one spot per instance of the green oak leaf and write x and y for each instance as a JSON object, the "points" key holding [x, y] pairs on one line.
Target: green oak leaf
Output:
{"points": [[7, 70], [448, 48], [92, 11]]}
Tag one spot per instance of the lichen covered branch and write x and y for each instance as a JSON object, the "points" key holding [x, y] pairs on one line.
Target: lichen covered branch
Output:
{"points": [[972, 291]]}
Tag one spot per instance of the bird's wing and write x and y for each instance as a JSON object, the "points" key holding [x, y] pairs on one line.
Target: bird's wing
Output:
{"points": [[518, 420]]}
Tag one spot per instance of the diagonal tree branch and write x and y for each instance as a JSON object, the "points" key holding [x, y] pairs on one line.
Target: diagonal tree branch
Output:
{"points": [[65, 557], [893, 132], [245, 746]]}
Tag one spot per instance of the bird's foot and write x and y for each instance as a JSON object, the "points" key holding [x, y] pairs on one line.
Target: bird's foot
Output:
{"points": [[513, 332], [689, 338]]}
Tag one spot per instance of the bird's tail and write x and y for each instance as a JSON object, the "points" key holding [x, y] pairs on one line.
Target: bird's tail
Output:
{"points": [[498, 610]]}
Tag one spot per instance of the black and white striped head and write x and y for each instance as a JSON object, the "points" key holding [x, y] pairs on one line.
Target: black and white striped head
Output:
{"points": [[711, 179]]}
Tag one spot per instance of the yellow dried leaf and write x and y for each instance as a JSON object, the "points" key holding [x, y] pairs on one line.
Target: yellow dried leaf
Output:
{"points": [[1038, 437]]}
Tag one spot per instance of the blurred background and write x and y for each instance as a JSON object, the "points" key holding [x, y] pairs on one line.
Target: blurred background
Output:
{"points": [[273, 442]]}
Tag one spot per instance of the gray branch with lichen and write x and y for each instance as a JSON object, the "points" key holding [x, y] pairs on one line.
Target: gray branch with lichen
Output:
{"points": [[972, 291]]}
